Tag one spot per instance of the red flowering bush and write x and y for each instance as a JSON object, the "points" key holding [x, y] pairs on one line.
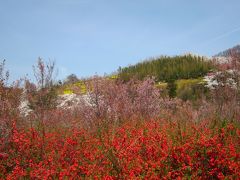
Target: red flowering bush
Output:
{"points": [[150, 150]]}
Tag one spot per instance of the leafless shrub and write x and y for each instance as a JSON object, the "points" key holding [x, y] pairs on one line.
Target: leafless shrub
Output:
{"points": [[112, 101], [9, 102], [42, 96]]}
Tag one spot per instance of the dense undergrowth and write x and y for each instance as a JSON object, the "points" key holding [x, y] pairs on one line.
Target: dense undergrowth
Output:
{"points": [[127, 130], [150, 149]]}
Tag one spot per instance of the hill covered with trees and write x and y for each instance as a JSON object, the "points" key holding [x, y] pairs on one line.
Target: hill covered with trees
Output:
{"points": [[166, 68]]}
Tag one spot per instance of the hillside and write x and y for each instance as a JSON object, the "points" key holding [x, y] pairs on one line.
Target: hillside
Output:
{"points": [[102, 128]]}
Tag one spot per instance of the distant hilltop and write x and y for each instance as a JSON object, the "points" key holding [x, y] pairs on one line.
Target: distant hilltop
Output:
{"points": [[227, 53]]}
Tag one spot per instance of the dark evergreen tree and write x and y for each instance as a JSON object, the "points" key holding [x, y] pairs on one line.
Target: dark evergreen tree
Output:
{"points": [[172, 88]]}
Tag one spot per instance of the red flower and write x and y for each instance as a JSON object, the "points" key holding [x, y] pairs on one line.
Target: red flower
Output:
{"points": [[3, 156]]}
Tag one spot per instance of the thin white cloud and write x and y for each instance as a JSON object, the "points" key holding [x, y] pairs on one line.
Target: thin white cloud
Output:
{"points": [[226, 34]]}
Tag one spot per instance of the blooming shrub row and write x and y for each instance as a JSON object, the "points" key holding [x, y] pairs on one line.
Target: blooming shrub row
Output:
{"points": [[153, 149]]}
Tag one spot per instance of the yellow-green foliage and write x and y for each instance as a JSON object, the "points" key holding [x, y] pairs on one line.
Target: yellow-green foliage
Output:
{"points": [[67, 91], [75, 88], [184, 83], [184, 86], [191, 89], [83, 89], [80, 87], [112, 77], [79, 84]]}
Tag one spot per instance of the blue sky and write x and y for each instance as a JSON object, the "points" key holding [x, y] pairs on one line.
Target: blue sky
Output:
{"points": [[86, 37]]}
